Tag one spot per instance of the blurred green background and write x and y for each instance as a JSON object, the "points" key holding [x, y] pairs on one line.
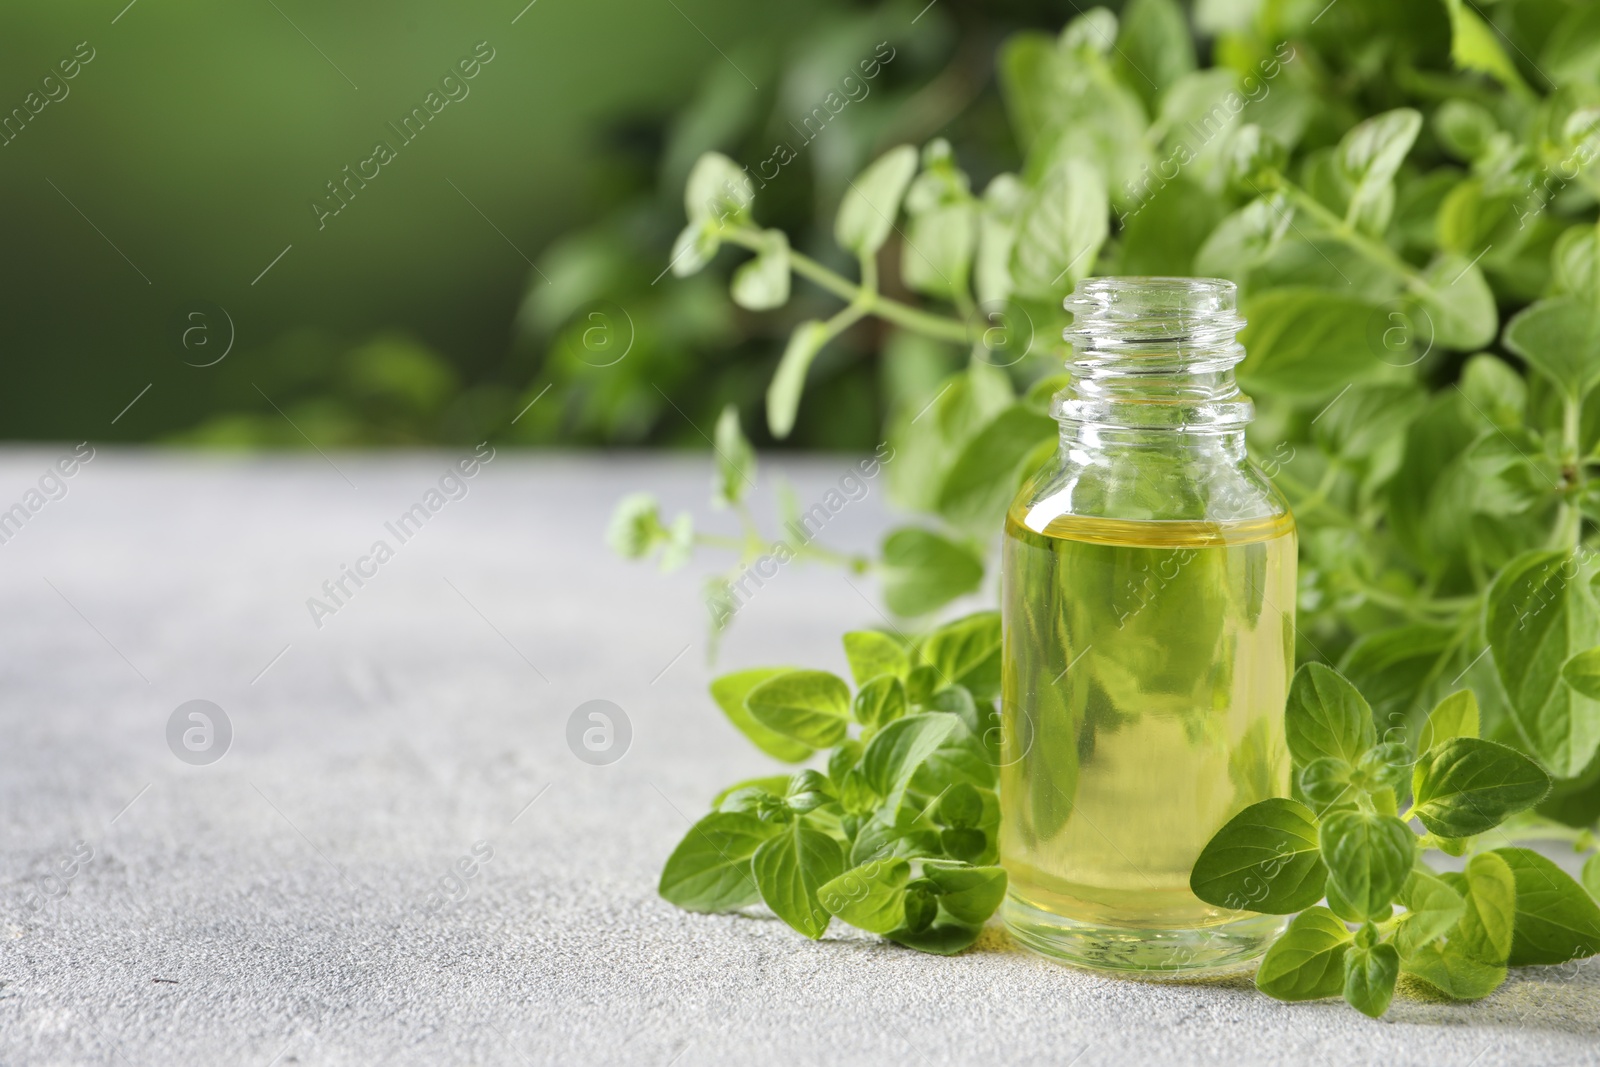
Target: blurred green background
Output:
{"points": [[511, 252]]}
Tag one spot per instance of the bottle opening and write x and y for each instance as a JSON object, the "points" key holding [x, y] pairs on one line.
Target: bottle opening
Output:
{"points": [[1179, 311]]}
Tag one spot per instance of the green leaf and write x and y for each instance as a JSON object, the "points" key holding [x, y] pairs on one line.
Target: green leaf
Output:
{"points": [[1264, 859], [1591, 875], [868, 209], [1368, 857], [1466, 785], [1540, 614], [1582, 672], [894, 755], [1459, 302], [763, 282], [1492, 387], [984, 477], [1556, 919], [1561, 339], [1369, 155], [1307, 962], [1474, 45], [943, 938], [966, 652], [710, 868], [880, 701], [718, 191], [967, 894], [730, 692], [1329, 782], [1432, 909], [635, 526], [1369, 977], [924, 570], [1325, 716], [1061, 225], [1154, 47], [1367, 419], [871, 897], [939, 243], [783, 395], [773, 785], [1447, 967], [694, 247], [1161, 235], [1454, 716], [1245, 239], [1464, 128], [812, 707], [1485, 930], [1306, 342], [961, 806], [736, 460], [872, 654], [790, 869]]}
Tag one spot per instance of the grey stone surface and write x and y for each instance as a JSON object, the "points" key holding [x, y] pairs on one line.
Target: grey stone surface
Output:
{"points": [[272, 907]]}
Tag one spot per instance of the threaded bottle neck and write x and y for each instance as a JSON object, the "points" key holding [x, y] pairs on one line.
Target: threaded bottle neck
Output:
{"points": [[1154, 354]]}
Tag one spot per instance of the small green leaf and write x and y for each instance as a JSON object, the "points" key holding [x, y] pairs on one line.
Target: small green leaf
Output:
{"points": [[790, 869], [1454, 716], [1062, 223], [710, 868], [1326, 716], [1369, 977], [1245, 239], [763, 282], [1556, 919], [1307, 962], [870, 204], [1540, 614], [783, 395], [871, 897], [1591, 875], [966, 652], [734, 796], [1475, 45], [718, 191], [943, 938], [1582, 672], [1464, 128], [1560, 337], [635, 526], [1485, 930], [894, 755], [736, 460], [1154, 47], [937, 257], [1466, 786], [1264, 859], [872, 654], [695, 246], [1460, 303], [880, 701], [961, 806], [730, 691], [1306, 342], [812, 707], [924, 570], [1329, 783], [981, 482], [1432, 909], [1370, 154], [1368, 858], [967, 894]]}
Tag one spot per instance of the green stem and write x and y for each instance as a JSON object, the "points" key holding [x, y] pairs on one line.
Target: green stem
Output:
{"points": [[869, 302], [1570, 527], [1376, 251]]}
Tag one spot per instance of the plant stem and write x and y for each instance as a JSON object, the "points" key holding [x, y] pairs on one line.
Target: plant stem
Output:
{"points": [[1570, 526], [938, 327], [1376, 251]]}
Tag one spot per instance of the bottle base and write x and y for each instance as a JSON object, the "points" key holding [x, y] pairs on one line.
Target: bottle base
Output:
{"points": [[1141, 953]]}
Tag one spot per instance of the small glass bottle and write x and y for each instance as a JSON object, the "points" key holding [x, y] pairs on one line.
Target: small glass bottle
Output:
{"points": [[1148, 591]]}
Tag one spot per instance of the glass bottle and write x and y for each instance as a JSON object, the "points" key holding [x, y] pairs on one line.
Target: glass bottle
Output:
{"points": [[1148, 592]]}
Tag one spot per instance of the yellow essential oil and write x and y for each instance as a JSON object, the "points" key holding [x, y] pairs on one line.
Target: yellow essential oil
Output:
{"points": [[1148, 591]]}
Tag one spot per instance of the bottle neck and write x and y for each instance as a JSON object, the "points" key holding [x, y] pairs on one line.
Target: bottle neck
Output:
{"points": [[1152, 362]]}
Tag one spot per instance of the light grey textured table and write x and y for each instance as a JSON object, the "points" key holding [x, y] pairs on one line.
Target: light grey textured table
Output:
{"points": [[272, 907]]}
